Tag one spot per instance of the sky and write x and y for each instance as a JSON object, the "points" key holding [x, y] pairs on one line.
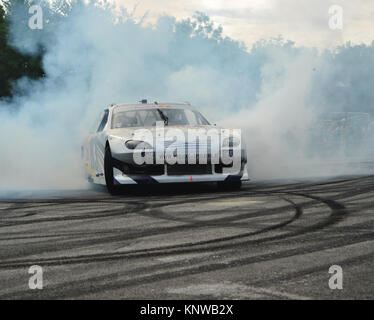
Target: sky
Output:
{"points": [[306, 22]]}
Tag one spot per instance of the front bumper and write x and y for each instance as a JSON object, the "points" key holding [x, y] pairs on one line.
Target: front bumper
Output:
{"points": [[127, 172], [123, 178]]}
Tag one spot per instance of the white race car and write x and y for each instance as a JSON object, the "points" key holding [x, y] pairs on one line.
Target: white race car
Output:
{"points": [[138, 143]]}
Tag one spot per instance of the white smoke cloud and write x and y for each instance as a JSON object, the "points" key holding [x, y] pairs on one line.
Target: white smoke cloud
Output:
{"points": [[97, 54]]}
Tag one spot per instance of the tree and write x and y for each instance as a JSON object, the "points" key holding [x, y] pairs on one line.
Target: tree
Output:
{"points": [[14, 65]]}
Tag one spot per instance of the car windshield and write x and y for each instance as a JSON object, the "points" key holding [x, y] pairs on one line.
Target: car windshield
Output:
{"points": [[149, 117]]}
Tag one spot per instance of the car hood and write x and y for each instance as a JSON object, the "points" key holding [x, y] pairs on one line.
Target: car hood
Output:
{"points": [[141, 133]]}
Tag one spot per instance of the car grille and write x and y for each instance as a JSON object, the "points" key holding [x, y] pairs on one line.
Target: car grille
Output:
{"points": [[218, 168], [151, 170], [189, 169], [187, 146]]}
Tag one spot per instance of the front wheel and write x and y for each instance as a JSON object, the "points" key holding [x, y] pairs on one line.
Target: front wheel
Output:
{"points": [[108, 172], [229, 185]]}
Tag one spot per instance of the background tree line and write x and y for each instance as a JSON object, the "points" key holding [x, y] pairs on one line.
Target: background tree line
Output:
{"points": [[342, 79], [13, 64]]}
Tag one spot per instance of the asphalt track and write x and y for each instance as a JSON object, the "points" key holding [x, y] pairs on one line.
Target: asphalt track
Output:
{"points": [[270, 240]]}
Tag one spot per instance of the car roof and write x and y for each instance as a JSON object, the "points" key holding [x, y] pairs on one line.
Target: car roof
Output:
{"points": [[138, 105]]}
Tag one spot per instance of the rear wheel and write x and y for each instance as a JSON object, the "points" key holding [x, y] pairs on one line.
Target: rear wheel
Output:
{"points": [[229, 185], [108, 172]]}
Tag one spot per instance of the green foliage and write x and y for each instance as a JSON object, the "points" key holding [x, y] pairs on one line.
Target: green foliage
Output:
{"points": [[14, 65]]}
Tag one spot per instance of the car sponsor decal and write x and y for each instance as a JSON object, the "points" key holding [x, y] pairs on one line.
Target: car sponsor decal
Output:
{"points": [[139, 179], [142, 179], [233, 177]]}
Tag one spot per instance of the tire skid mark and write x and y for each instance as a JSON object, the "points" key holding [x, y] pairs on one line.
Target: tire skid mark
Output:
{"points": [[297, 214], [132, 234], [321, 268], [185, 247], [166, 250], [337, 214], [76, 288], [105, 213], [223, 221]]}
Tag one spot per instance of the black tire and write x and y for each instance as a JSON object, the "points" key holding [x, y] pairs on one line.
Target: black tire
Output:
{"points": [[108, 172], [229, 185]]}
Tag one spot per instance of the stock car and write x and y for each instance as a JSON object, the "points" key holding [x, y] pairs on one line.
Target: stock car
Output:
{"points": [[131, 144]]}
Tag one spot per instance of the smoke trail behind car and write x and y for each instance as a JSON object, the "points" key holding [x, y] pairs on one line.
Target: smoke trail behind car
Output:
{"points": [[96, 54]]}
